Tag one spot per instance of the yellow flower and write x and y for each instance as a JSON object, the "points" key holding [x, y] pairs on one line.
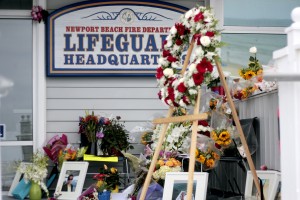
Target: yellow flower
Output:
{"points": [[196, 153], [214, 136], [227, 143], [210, 163], [215, 155], [259, 72], [244, 93], [169, 163], [224, 135], [113, 170], [242, 74], [249, 74], [201, 159], [161, 162], [100, 183]]}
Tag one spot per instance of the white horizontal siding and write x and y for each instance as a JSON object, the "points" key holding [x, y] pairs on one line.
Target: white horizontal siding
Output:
{"points": [[134, 99]]}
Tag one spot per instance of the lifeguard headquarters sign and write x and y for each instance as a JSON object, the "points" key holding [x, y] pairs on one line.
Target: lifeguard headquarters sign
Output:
{"points": [[108, 38]]}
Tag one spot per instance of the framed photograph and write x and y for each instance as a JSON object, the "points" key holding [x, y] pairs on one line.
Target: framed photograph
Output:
{"points": [[71, 180], [176, 183], [16, 180], [270, 181]]}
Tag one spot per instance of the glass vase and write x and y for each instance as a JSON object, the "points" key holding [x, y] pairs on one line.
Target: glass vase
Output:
{"points": [[104, 195], [35, 192]]}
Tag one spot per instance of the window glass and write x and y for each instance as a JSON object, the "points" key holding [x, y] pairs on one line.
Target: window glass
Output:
{"points": [[16, 4], [267, 13], [235, 55], [16, 79], [9, 163]]}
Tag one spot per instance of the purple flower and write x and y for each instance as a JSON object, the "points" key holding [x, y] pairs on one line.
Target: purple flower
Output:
{"points": [[148, 150], [100, 135], [168, 154], [161, 153]]}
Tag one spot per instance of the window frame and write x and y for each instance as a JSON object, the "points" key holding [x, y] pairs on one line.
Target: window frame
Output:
{"points": [[39, 78]]}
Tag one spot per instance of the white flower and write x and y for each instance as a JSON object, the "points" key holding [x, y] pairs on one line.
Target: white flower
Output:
{"points": [[198, 51], [168, 72], [210, 55], [205, 41], [173, 30], [189, 14], [192, 67], [253, 50]]}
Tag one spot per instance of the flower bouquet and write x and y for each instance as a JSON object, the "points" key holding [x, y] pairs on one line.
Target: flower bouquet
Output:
{"points": [[113, 136], [107, 181], [254, 68], [206, 153], [166, 165], [54, 145], [70, 153], [36, 171]]}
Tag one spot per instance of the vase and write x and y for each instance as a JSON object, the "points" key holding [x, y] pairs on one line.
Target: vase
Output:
{"points": [[99, 150], [93, 148], [35, 192], [104, 195]]}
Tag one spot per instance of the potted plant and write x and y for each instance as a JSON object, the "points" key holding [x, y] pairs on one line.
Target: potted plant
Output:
{"points": [[113, 135]]}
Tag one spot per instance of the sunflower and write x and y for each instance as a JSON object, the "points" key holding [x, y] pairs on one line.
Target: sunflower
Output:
{"points": [[249, 74], [210, 163], [201, 159], [224, 135]]}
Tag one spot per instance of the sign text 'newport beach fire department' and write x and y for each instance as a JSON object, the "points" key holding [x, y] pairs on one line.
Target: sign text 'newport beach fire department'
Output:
{"points": [[108, 38]]}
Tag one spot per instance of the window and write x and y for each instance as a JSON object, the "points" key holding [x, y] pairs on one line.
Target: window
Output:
{"points": [[245, 24], [16, 93]]}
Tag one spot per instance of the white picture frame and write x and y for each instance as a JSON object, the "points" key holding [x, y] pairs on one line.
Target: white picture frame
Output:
{"points": [[270, 180], [76, 172], [173, 178], [16, 180]]}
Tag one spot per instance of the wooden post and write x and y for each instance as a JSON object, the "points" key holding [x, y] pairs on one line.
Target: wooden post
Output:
{"points": [[155, 156], [192, 150], [238, 125], [163, 131]]}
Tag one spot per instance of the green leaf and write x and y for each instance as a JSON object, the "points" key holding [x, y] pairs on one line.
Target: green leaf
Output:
{"points": [[252, 59]]}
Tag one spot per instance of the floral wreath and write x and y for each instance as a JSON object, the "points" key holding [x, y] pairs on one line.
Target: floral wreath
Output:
{"points": [[181, 90]]}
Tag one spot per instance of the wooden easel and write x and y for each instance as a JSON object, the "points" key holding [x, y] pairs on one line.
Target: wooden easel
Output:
{"points": [[195, 117]]}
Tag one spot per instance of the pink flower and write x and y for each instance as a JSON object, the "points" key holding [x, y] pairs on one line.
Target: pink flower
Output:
{"points": [[264, 167]]}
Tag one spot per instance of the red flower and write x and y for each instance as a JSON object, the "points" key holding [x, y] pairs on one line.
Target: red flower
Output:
{"points": [[198, 78], [180, 28], [206, 133], [197, 38], [203, 122], [199, 17], [186, 100], [171, 59], [166, 53], [181, 88], [178, 42], [171, 94], [218, 146], [159, 95], [159, 72], [164, 43], [204, 65], [210, 34]]}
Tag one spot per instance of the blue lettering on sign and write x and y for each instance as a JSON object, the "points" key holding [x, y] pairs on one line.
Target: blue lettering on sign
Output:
{"points": [[2, 129]]}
